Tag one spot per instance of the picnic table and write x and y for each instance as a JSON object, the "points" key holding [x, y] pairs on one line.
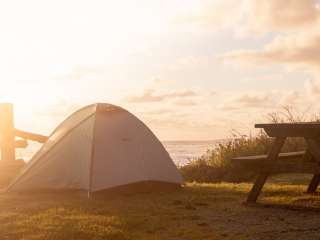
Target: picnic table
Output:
{"points": [[310, 131]]}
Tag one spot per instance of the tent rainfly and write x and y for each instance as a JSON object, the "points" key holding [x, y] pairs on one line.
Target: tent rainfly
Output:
{"points": [[99, 147]]}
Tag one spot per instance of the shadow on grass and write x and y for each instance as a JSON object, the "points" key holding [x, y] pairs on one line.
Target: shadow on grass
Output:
{"points": [[298, 206]]}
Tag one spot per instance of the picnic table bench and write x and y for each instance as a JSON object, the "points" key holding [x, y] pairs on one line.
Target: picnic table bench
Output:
{"points": [[267, 164]]}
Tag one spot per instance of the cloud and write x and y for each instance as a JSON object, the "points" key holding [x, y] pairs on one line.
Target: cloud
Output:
{"points": [[157, 81], [297, 43], [185, 102], [312, 87], [176, 120], [149, 95], [62, 108], [211, 14], [275, 15], [80, 72], [302, 98], [248, 100], [254, 16], [291, 98], [293, 50], [157, 112], [187, 93]]}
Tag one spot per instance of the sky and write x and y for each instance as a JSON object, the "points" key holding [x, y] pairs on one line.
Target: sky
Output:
{"points": [[189, 69]]}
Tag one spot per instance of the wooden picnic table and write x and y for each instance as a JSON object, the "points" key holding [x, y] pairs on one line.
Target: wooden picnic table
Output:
{"points": [[310, 131]]}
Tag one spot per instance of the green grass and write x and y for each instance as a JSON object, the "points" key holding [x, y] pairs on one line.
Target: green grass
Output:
{"points": [[199, 211]]}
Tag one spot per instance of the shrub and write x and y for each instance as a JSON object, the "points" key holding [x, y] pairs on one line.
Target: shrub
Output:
{"points": [[216, 165]]}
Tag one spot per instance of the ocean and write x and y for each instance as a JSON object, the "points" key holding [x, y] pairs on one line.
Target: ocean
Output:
{"points": [[180, 151], [183, 151]]}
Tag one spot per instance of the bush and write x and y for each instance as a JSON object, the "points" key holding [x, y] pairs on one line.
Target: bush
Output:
{"points": [[216, 166]]}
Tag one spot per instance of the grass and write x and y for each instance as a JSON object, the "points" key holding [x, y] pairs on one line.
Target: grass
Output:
{"points": [[199, 211]]}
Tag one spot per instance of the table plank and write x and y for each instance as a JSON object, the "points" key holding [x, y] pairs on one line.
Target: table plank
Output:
{"points": [[264, 156], [304, 129]]}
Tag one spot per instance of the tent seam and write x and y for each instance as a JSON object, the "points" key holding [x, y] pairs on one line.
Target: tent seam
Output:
{"points": [[92, 151]]}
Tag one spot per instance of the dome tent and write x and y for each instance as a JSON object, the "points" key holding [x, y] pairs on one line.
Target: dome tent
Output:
{"points": [[99, 147]]}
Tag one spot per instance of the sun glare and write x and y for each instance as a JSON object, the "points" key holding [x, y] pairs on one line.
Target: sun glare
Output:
{"points": [[32, 69]]}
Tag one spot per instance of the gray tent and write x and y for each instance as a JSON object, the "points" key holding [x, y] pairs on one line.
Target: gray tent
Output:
{"points": [[101, 146]]}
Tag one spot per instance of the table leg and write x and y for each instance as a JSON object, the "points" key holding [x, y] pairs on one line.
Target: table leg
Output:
{"points": [[262, 178], [313, 185], [314, 149]]}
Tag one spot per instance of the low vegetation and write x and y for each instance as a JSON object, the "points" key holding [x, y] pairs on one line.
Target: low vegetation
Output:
{"points": [[216, 165]]}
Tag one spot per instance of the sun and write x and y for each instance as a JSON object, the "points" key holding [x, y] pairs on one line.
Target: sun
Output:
{"points": [[27, 97]]}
